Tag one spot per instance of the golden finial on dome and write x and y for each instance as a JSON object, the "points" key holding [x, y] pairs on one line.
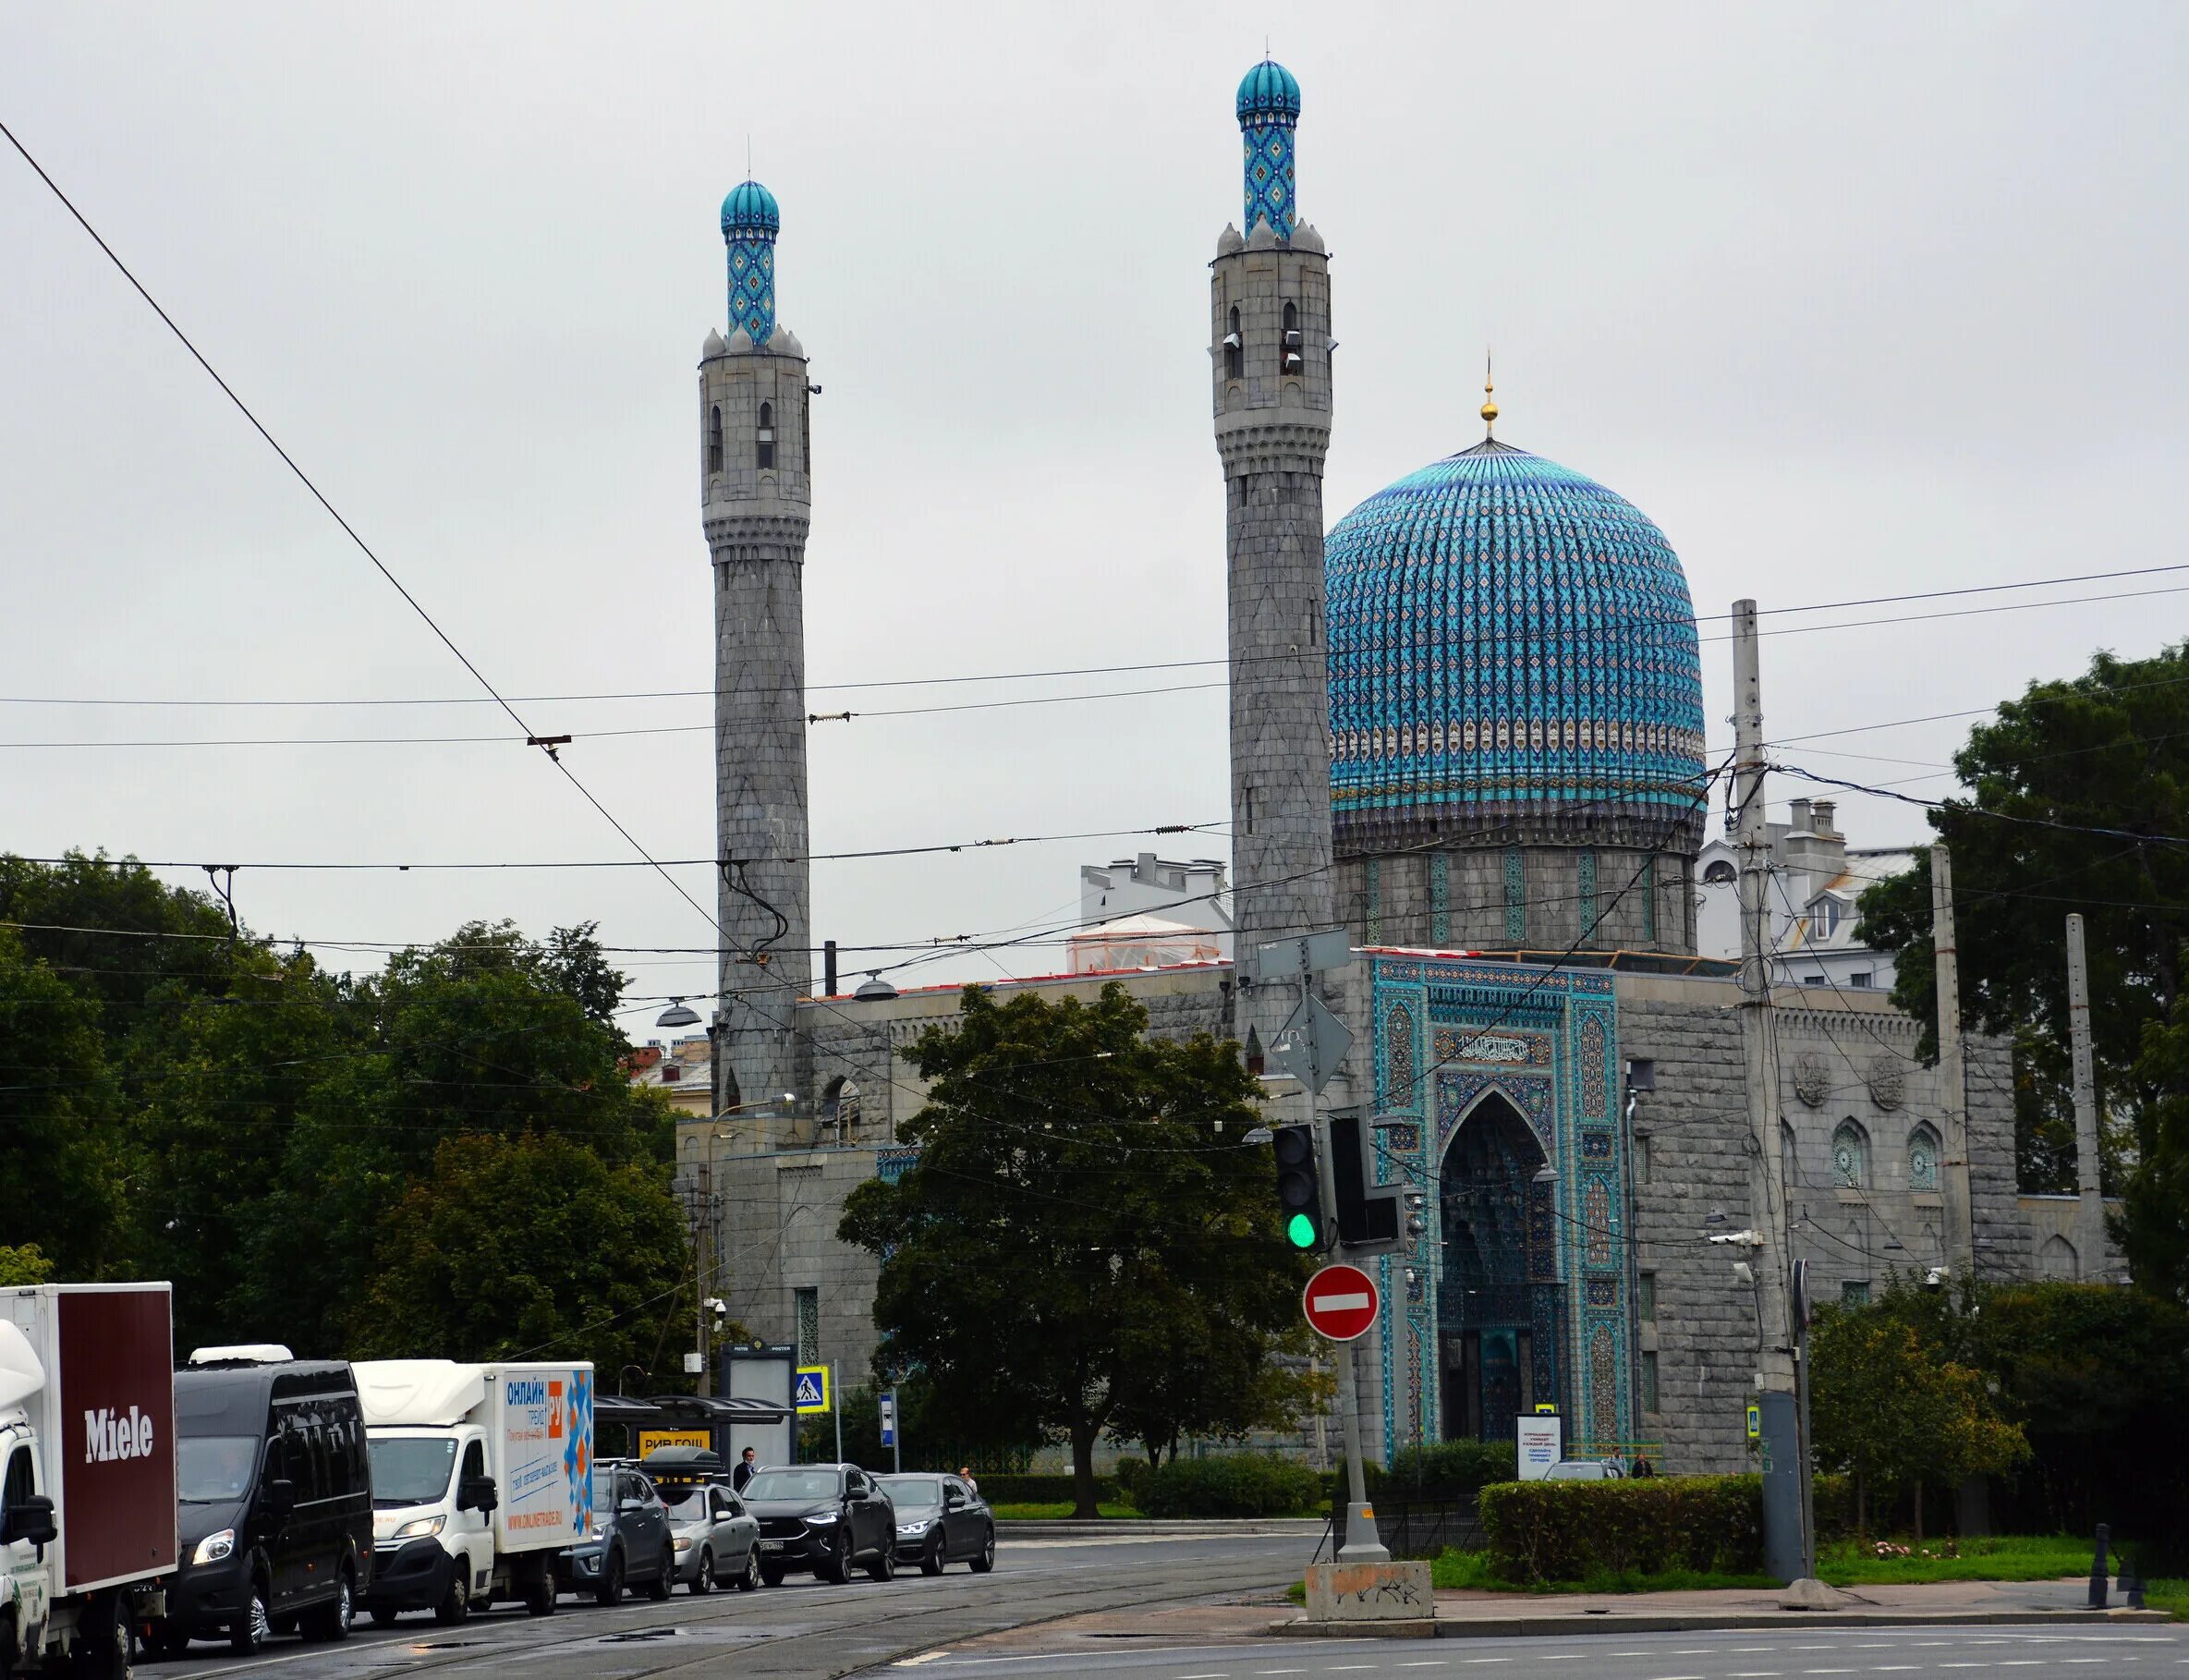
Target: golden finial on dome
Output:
{"points": [[1489, 400]]}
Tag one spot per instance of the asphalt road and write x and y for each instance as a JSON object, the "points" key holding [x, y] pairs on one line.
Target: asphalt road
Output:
{"points": [[801, 1630], [1929, 1653]]}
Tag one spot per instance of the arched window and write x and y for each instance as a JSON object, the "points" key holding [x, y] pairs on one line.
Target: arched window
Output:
{"points": [[1923, 1159], [1851, 1157], [2057, 1258], [1234, 350], [1293, 361], [1720, 873], [842, 1103], [715, 439], [767, 436]]}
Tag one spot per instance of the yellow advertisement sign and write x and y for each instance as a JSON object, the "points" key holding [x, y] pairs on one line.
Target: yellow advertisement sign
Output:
{"points": [[650, 1439]]}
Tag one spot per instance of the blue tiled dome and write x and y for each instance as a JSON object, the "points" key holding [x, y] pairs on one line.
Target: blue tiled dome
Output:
{"points": [[1511, 657], [751, 205], [1269, 91]]}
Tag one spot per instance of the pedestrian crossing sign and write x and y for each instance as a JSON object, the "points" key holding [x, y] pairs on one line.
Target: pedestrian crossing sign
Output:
{"points": [[812, 1389]]}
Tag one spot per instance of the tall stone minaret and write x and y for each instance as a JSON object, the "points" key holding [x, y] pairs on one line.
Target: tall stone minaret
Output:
{"points": [[756, 494], [1270, 361]]}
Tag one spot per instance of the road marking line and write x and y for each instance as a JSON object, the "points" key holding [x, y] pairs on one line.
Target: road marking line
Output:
{"points": [[1341, 1668], [925, 1656], [1486, 1658], [1754, 1674], [1431, 1662]]}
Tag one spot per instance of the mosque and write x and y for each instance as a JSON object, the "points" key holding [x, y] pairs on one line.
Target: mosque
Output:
{"points": [[1466, 725]]}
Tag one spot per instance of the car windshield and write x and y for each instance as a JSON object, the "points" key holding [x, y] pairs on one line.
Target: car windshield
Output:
{"points": [[792, 1484], [410, 1472], [214, 1469], [686, 1504], [913, 1492]]}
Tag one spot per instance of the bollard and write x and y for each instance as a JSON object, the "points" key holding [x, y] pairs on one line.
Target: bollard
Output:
{"points": [[2132, 1581], [2097, 1570]]}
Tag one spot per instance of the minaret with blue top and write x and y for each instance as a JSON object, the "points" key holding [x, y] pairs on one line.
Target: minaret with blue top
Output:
{"points": [[756, 497], [1269, 364]]}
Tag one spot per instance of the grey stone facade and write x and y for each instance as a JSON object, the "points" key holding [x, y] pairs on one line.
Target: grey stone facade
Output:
{"points": [[1271, 392], [1467, 899], [757, 494]]}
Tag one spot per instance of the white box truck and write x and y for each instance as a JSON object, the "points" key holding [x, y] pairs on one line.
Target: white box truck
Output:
{"points": [[481, 1474], [87, 1465]]}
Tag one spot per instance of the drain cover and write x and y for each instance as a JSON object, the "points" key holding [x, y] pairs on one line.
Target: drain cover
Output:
{"points": [[641, 1633]]}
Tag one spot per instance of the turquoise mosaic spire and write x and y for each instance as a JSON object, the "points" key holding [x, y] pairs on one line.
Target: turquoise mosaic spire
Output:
{"points": [[1510, 643], [1269, 122], [750, 221]]}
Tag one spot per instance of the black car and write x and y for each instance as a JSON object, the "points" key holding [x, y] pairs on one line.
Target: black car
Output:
{"points": [[942, 1520], [276, 1502], [825, 1517], [629, 1541]]}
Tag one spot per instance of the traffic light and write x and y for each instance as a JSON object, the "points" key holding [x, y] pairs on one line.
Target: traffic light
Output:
{"points": [[1369, 1216], [1299, 1189]]}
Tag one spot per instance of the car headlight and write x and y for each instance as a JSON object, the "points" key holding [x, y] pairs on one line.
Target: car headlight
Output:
{"points": [[684, 1542], [419, 1527], [215, 1547], [817, 1517]]}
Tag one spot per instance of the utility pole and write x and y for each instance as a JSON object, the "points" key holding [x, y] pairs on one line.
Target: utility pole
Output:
{"points": [[1363, 1545], [1961, 1231], [703, 1270], [1785, 1543], [2090, 1208]]}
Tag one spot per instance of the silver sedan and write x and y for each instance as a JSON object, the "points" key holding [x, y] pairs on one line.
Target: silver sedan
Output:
{"points": [[716, 1538]]}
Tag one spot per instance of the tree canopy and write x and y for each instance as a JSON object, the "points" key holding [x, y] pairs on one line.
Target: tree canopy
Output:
{"points": [[2109, 749], [186, 1100], [1085, 1241]]}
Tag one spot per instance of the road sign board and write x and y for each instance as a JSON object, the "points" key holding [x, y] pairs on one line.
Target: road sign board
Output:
{"points": [[1313, 1044], [812, 1389], [889, 1417], [1310, 954], [1340, 1302]]}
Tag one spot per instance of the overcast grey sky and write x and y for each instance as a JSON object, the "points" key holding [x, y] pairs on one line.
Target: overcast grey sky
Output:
{"points": [[1852, 300]]}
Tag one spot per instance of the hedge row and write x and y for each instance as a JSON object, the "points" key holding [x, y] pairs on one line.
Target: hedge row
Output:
{"points": [[1537, 1531], [1234, 1484], [1449, 1472], [1000, 1489]]}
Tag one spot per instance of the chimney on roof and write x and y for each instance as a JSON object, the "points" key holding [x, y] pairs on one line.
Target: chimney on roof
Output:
{"points": [[1801, 817], [1824, 809]]}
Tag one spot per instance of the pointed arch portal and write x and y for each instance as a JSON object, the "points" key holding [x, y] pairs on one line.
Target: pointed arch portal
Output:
{"points": [[1497, 1302]]}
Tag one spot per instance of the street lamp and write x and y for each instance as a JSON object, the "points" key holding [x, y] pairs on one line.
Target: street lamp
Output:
{"points": [[678, 1014]]}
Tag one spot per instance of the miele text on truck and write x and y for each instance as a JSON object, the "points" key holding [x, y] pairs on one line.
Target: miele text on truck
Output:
{"points": [[86, 1452], [481, 1474]]}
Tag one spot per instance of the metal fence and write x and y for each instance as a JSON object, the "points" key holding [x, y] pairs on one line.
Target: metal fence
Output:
{"points": [[1417, 1528]]}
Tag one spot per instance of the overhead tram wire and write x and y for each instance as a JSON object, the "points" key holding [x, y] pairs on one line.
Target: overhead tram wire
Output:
{"points": [[1006, 704], [1114, 670], [546, 743]]}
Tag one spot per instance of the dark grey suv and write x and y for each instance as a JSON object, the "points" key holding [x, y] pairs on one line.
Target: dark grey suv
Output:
{"points": [[627, 1541], [942, 1520], [826, 1517]]}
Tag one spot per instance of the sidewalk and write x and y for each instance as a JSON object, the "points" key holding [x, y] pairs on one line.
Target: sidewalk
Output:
{"points": [[1463, 1614], [1518, 1614]]}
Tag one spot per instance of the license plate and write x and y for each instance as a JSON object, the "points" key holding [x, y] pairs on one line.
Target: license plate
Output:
{"points": [[770, 1545]]}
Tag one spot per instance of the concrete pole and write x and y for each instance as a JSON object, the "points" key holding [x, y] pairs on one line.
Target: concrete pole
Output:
{"points": [[2090, 1209], [1961, 1231], [1785, 1545], [703, 1268], [1363, 1544]]}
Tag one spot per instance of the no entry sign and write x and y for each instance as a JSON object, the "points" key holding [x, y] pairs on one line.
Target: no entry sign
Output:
{"points": [[1341, 1302]]}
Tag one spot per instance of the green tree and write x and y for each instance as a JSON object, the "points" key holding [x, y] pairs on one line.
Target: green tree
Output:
{"points": [[1892, 1411], [2154, 1226], [1071, 1171], [473, 1036], [23, 1264], [70, 1167], [2109, 749], [531, 1245]]}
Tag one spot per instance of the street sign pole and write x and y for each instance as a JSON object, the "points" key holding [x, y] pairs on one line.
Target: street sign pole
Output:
{"points": [[1363, 1545], [836, 1405]]}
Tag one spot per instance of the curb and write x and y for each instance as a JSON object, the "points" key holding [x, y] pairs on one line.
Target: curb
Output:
{"points": [[1616, 1621]]}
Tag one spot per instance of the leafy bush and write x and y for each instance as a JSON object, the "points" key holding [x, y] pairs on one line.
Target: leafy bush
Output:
{"points": [[1132, 1475], [1000, 1489], [1236, 1484], [1450, 1470], [1539, 1531]]}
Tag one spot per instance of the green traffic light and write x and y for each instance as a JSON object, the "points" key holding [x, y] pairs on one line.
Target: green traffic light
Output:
{"points": [[1299, 1231]]}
